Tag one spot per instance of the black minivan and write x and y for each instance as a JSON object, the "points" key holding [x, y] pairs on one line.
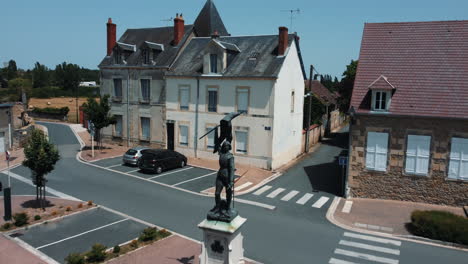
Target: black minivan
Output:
{"points": [[159, 160]]}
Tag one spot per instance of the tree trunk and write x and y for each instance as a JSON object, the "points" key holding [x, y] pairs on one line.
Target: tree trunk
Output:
{"points": [[37, 196]]}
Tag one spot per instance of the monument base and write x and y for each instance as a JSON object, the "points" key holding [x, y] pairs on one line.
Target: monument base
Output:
{"points": [[222, 242]]}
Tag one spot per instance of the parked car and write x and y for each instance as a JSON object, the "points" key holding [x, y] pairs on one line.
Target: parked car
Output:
{"points": [[159, 160], [133, 155]]}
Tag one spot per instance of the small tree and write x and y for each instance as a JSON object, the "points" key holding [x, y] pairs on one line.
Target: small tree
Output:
{"points": [[40, 158], [98, 113]]}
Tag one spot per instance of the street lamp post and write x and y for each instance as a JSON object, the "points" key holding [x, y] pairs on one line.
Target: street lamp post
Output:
{"points": [[309, 108]]}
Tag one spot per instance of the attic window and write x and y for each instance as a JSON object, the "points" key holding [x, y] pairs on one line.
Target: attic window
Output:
{"points": [[253, 56], [382, 91], [145, 53], [213, 63]]}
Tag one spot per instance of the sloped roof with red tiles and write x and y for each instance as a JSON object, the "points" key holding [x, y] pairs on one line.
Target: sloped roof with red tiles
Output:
{"points": [[426, 62], [321, 92], [381, 83]]}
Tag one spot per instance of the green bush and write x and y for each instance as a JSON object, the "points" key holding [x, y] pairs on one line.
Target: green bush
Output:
{"points": [[164, 233], [440, 225], [97, 253], [148, 234], [63, 111], [75, 258], [37, 217], [116, 249], [134, 243], [6, 226], [21, 219]]}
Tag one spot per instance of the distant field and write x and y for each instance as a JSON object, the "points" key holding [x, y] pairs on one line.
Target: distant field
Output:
{"points": [[59, 102]]}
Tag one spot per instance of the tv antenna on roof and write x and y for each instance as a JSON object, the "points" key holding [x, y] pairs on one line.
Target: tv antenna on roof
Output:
{"points": [[292, 13], [168, 20]]}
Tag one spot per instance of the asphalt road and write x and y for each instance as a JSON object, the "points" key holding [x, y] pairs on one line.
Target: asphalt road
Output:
{"points": [[288, 234]]}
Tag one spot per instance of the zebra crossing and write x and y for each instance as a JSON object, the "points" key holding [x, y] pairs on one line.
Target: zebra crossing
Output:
{"points": [[291, 196], [355, 248]]}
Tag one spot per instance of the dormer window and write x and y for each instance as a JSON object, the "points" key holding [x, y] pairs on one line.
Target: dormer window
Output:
{"points": [[150, 52], [382, 91], [213, 63], [122, 51], [145, 54]]}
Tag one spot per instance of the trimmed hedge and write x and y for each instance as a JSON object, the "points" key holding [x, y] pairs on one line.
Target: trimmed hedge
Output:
{"points": [[51, 110], [440, 225]]}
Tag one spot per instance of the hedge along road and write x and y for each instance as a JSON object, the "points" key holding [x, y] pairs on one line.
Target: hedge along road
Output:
{"points": [[77, 233], [270, 236]]}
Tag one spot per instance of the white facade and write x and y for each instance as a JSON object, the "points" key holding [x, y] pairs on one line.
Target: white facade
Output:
{"points": [[272, 125]]}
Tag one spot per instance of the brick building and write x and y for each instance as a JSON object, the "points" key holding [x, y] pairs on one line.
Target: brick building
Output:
{"points": [[409, 134]]}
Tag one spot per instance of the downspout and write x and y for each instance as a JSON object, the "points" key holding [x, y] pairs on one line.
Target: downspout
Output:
{"points": [[128, 109], [195, 139]]}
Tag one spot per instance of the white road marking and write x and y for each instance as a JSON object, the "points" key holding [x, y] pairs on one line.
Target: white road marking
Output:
{"points": [[167, 173], [114, 166], [373, 227], [347, 207], [370, 247], [262, 190], [374, 239], [247, 184], [206, 175], [289, 196], [80, 234], [275, 193], [48, 189], [386, 229], [360, 225], [133, 171], [366, 256], [304, 198], [339, 261], [320, 202]]}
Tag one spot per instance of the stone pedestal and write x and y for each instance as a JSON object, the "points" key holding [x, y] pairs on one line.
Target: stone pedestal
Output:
{"points": [[222, 242]]}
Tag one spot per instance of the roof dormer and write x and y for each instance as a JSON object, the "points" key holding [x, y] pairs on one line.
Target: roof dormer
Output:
{"points": [[217, 56], [382, 91], [150, 51], [122, 51]]}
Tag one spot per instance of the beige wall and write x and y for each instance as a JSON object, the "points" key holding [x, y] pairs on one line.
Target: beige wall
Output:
{"points": [[395, 184]]}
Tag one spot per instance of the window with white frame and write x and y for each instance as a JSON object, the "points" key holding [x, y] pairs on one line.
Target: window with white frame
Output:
{"points": [[210, 138], [118, 126], [458, 166], [145, 128], [213, 63], [292, 102], [118, 88], [145, 89], [212, 99], [241, 142], [376, 151], [184, 97], [380, 100], [417, 154], [242, 100], [183, 135]]}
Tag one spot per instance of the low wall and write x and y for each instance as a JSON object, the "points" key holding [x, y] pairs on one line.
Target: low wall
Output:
{"points": [[48, 116]]}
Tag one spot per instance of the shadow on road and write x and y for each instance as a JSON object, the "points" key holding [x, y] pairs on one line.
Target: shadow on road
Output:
{"points": [[329, 177]]}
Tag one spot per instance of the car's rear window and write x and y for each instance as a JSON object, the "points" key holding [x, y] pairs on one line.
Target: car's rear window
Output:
{"points": [[131, 152]]}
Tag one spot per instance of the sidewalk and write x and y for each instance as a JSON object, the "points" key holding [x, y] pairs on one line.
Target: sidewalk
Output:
{"points": [[12, 253], [16, 157], [384, 216]]}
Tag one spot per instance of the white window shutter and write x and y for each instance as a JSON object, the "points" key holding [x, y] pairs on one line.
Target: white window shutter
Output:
{"points": [[376, 151], [417, 154], [458, 166], [242, 99], [184, 97]]}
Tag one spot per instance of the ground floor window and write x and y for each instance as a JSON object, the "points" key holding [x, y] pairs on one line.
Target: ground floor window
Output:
{"points": [[118, 126], [417, 154], [183, 135], [241, 142], [210, 138], [376, 151], [458, 167], [145, 128]]}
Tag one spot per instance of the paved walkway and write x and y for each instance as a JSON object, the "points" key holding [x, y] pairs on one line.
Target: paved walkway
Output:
{"points": [[12, 253]]}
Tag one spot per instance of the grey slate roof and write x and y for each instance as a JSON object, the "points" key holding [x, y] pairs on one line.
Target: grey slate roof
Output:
{"points": [[263, 48], [208, 21], [161, 35]]}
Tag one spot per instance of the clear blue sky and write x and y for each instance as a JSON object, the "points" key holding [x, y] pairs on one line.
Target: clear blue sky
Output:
{"points": [[53, 31]]}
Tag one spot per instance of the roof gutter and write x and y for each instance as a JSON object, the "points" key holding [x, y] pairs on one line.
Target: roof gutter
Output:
{"points": [[412, 116]]}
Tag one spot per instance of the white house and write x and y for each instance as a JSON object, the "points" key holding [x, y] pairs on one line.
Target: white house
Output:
{"points": [[262, 76]]}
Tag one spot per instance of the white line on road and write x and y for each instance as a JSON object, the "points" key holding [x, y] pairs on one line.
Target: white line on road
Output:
{"points": [[262, 190], [243, 186], [114, 166], [320, 202], [366, 256], [80, 234], [370, 247], [167, 173], [374, 239], [48, 189], [347, 207], [206, 175], [339, 261], [275, 193], [305, 198], [133, 171], [289, 196]]}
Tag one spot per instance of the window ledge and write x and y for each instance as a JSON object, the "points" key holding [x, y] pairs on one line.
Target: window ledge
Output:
{"points": [[381, 112], [374, 170], [143, 101], [212, 75], [145, 139], [117, 98], [416, 175], [456, 180]]}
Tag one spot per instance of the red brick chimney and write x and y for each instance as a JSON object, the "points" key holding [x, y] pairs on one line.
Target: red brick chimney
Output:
{"points": [[283, 40], [178, 29], [111, 36]]}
